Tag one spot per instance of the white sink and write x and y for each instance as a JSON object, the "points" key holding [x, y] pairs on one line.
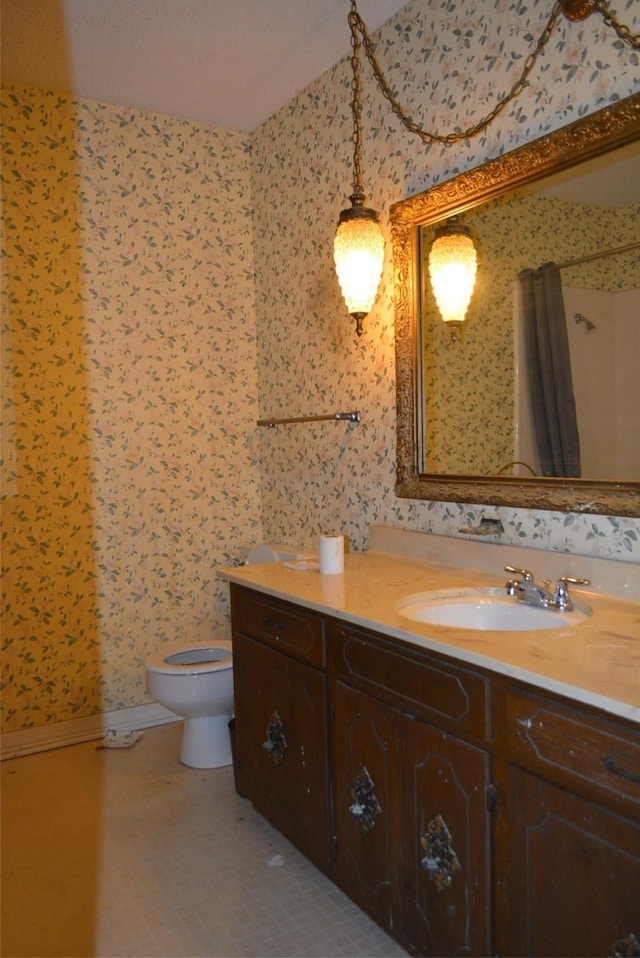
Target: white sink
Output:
{"points": [[487, 610]]}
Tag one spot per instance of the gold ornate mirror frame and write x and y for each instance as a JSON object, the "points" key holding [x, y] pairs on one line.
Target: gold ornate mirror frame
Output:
{"points": [[582, 140]]}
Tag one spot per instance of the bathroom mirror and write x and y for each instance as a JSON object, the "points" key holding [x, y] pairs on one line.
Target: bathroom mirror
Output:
{"points": [[474, 452]]}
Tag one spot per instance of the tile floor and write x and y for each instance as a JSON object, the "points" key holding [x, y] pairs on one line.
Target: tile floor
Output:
{"points": [[126, 852]]}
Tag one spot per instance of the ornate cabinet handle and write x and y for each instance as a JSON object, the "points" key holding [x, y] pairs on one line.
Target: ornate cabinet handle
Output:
{"points": [[441, 861], [276, 743], [627, 947], [365, 805]]}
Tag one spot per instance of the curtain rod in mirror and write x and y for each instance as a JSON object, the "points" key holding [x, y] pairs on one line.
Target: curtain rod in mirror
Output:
{"points": [[601, 254]]}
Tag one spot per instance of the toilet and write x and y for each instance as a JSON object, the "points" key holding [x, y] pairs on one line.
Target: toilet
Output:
{"points": [[196, 681]]}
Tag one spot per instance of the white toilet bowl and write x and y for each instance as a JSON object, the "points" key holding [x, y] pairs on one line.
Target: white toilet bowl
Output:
{"points": [[196, 681]]}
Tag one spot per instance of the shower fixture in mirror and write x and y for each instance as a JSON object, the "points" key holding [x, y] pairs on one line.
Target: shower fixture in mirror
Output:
{"points": [[468, 416]]}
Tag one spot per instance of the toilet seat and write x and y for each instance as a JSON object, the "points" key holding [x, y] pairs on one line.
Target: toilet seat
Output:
{"points": [[197, 658]]}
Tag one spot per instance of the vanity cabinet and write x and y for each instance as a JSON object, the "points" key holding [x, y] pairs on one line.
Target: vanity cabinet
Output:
{"points": [[281, 717], [467, 813], [365, 769], [568, 852], [410, 795]]}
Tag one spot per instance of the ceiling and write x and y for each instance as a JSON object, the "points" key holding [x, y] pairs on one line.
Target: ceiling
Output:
{"points": [[231, 63]]}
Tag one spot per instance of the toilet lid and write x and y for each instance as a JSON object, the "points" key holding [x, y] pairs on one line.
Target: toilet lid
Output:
{"points": [[195, 658]]}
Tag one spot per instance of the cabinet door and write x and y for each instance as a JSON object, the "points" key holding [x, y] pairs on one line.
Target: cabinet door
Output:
{"points": [[446, 873], [364, 756], [573, 878], [281, 743]]}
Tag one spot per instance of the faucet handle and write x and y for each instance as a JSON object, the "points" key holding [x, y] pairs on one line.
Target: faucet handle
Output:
{"points": [[562, 599], [526, 575], [517, 586], [569, 580]]}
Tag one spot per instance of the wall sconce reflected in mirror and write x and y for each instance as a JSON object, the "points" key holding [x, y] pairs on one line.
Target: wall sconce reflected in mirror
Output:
{"points": [[453, 263]]}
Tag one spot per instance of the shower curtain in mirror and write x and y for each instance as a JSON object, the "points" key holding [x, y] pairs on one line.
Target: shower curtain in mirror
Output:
{"points": [[547, 348]]}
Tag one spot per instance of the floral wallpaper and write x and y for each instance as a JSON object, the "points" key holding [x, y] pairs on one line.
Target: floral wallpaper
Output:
{"points": [[470, 394], [131, 395], [447, 61], [166, 282]]}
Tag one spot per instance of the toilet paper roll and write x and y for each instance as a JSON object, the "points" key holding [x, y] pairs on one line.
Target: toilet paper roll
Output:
{"points": [[331, 555]]}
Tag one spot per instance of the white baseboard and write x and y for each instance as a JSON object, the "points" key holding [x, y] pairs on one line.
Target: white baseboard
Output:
{"points": [[29, 740]]}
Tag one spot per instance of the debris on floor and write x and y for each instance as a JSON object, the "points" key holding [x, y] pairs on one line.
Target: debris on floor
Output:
{"points": [[276, 861], [115, 739]]}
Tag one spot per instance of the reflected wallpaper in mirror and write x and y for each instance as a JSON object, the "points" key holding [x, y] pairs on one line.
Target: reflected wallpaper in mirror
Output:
{"points": [[474, 415]]}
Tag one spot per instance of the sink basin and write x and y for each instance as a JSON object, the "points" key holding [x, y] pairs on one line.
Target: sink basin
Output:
{"points": [[487, 610]]}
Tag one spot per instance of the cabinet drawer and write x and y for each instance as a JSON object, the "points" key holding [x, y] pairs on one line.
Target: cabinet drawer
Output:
{"points": [[416, 681], [569, 745], [284, 626]]}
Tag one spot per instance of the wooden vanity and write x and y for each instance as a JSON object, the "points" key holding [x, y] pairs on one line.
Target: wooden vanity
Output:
{"points": [[467, 810]]}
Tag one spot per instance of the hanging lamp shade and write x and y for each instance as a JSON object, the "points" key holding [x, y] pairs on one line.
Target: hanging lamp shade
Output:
{"points": [[358, 252], [453, 263]]}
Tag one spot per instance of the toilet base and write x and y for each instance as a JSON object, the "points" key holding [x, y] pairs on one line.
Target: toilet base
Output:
{"points": [[206, 742]]}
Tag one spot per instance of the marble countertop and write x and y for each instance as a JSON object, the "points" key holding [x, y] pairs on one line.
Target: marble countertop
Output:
{"points": [[596, 662]]}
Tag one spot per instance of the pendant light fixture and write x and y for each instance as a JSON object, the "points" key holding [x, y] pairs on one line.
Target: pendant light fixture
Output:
{"points": [[358, 247], [453, 263]]}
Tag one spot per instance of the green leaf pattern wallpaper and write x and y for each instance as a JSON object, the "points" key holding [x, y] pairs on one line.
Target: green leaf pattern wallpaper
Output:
{"points": [[131, 472], [448, 62], [470, 428], [166, 283]]}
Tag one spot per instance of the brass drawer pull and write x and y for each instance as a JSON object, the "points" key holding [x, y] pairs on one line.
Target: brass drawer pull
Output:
{"points": [[627, 947], [441, 861], [276, 744], [365, 806], [611, 766]]}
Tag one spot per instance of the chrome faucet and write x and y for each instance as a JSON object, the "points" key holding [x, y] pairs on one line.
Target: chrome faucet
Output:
{"points": [[562, 599], [529, 592]]}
